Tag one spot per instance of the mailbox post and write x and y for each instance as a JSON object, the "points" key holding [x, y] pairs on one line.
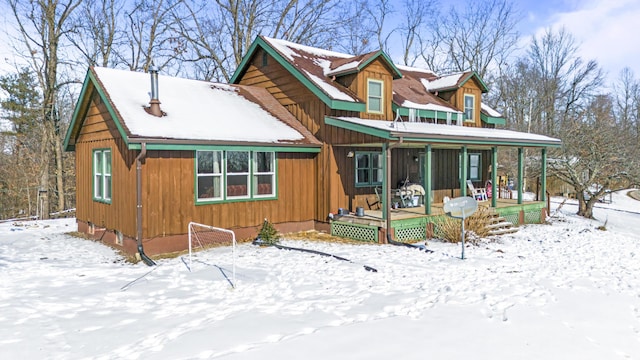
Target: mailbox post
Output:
{"points": [[461, 208]]}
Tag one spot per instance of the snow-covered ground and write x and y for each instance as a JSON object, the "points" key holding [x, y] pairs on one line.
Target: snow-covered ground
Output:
{"points": [[560, 291]]}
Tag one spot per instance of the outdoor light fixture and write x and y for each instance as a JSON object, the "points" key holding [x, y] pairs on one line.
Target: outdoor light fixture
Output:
{"points": [[350, 154]]}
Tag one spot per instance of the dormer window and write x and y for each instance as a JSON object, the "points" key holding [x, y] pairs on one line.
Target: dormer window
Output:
{"points": [[469, 107], [374, 96]]}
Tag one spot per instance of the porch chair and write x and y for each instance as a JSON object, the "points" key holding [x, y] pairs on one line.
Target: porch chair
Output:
{"points": [[480, 194], [377, 202]]}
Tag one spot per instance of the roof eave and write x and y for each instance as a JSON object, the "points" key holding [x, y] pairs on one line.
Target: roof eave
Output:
{"points": [[333, 103]]}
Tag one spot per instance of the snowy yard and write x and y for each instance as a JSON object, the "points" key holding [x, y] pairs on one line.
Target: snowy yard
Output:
{"points": [[560, 291]]}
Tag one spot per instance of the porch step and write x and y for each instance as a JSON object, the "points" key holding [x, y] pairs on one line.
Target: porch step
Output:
{"points": [[498, 225]]}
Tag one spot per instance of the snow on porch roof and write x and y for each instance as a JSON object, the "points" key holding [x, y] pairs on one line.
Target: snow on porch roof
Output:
{"points": [[439, 133], [199, 110]]}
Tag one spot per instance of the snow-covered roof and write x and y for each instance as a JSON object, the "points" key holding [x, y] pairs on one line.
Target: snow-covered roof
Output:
{"points": [[443, 82], [410, 91], [441, 131], [489, 110], [316, 64], [199, 110]]}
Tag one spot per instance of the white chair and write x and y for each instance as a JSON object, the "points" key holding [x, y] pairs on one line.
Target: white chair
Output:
{"points": [[480, 194]]}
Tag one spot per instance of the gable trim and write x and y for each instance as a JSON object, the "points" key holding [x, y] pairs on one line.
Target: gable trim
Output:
{"points": [[82, 106], [395, 72], [300, 76]]}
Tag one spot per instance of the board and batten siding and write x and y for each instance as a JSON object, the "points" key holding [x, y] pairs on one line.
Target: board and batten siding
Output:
{"points": [[169, 196], [99, 132]]}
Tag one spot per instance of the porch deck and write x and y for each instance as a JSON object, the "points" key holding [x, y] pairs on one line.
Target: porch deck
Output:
{"points": [[415, 223]]}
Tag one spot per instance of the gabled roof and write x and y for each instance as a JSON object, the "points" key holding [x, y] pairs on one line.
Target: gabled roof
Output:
{"points": [[197, 112], [410, 92], [317, 68], [453, 82]]}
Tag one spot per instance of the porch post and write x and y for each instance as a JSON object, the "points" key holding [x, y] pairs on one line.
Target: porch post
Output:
{"points": [[543, 175], [494, 176], [385, 181], [520, 173], [428, 184], [464, 159]]}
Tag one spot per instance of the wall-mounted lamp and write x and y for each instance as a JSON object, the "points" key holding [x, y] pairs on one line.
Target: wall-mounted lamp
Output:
{"points": [[350, 154], [415, 158]]}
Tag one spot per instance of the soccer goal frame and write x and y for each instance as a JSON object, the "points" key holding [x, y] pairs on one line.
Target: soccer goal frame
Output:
{"points": [[207, 236]]}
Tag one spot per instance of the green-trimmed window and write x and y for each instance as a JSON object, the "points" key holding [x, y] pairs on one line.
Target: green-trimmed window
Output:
{"points": [[469, 106], [209, 175], [264, 174], [475, 166], [102, 175], [235, 175], [374, 96], [368, 168]]}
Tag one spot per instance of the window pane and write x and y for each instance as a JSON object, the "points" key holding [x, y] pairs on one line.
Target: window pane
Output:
{"points": [[107, 187], [375, 104], [205, 162], [237, 185], [237, 161], [375, 89], [205, 187], [97, 159], [362, 176], [263, 185], [264, 162], [97, 186], [107, 162], [362, 161]]}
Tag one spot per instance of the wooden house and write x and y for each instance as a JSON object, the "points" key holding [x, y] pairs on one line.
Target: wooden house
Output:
{"points": [[305, 137], [228, 155], [383, 126]]}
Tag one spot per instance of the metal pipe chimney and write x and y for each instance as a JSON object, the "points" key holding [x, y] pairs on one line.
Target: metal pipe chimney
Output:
{"points": [[154, 103]]}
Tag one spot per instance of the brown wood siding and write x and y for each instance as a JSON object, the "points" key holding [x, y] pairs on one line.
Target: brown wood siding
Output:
{"points": [[99, 132], [472, 88], [169, 195], [377, 70]]}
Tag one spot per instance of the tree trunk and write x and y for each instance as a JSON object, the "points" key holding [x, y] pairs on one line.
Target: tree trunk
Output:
{"points": [[59, 174]]}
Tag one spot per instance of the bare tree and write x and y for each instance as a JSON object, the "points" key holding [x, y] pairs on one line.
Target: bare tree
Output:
{"points": [[594, 157], [480, 37], [98, 31], [152, 36], [565, 83], [42, 26]]}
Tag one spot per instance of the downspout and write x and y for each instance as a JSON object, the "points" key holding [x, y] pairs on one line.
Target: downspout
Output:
{"points": [[388, 189], [139, 158]]}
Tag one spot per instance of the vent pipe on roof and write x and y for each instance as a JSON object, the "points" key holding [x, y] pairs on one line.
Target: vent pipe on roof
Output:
{"points": [[154, 103]]}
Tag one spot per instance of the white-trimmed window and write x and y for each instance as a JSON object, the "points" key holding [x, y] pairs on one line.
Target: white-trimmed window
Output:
{"points": [[375, 99], [102, 175], [475, 166], [469, 107], [209, 175], [264, 174], [368, 168], [235, 175]]}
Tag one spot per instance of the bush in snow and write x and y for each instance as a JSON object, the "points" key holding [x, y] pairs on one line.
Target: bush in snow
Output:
{"points": [[268, 233], [475, 227]]}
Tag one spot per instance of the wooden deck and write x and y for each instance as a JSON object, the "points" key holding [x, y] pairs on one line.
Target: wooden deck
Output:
{"points": [[375, 218]]}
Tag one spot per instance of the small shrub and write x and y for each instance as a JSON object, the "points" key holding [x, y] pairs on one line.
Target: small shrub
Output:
{"points": [[475, 227], [268, 233]]}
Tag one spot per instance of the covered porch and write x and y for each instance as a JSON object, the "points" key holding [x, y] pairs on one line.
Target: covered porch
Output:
{"points": [[440, 159], [412, 224]]}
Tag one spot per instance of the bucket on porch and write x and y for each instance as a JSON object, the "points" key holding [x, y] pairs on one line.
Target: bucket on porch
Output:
{"points": [[359, 211], [415, 201], [340, 211]]}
